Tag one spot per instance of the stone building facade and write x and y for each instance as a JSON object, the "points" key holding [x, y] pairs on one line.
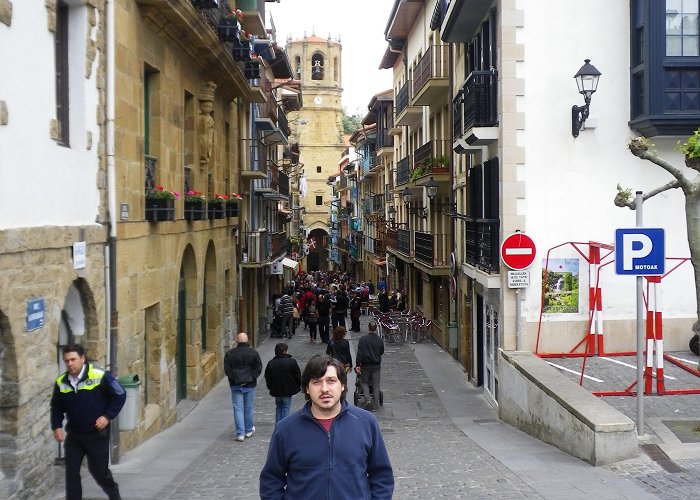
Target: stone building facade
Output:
{"points": [[148, 99], [52, 229], [317, 127]]}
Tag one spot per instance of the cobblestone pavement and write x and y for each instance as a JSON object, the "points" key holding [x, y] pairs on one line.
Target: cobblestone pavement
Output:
{"points": [[431, 457]]}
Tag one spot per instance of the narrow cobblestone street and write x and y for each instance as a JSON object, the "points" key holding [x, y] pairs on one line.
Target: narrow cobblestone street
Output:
{"points": [[435, 454]]}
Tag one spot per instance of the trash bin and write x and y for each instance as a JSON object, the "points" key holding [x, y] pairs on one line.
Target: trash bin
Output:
{"points": [[128, 418]]}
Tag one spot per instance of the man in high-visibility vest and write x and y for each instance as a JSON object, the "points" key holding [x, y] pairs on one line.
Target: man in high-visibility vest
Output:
{"points": [[90, 398]]}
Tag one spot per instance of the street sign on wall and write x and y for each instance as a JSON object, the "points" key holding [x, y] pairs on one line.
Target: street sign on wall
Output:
{"points": [[518, 251]]}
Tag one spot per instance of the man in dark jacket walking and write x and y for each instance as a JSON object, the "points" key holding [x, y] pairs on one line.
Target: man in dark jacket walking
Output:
{"points": [[90, 397], [368, 365], [242, 366], [283, 379]]}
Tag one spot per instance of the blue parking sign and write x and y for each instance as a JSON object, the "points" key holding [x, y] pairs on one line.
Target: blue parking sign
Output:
{"points": [[639, 251]]}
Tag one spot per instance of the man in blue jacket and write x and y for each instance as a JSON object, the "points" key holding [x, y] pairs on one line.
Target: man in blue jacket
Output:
{"points": [[90, 397], [328, 449]]}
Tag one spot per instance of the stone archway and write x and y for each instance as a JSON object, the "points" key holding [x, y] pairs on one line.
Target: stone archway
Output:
{"points": [[9, 400], [317, 259], [211, 314], [186, 303]]}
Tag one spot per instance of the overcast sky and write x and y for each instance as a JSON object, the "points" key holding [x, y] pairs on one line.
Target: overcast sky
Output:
{"points": [[360, 25]]}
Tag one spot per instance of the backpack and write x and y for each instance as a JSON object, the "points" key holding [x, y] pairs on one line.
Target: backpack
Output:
{"points": [[312, 314]]}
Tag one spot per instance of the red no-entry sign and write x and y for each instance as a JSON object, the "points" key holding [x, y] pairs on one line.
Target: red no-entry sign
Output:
{"points": [[518, 251]]}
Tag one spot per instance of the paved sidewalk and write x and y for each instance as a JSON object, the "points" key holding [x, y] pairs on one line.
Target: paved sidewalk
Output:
{"points": [[444, 439]]}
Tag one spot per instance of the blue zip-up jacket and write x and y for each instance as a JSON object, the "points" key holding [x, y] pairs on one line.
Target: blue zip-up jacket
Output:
{"points": [[350, 462]]}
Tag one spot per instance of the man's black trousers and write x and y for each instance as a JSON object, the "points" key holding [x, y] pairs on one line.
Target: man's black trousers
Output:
{"points": [[94, 445]]}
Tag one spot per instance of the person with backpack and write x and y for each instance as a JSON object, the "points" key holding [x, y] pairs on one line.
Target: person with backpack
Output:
{"points": [[312, 319]]}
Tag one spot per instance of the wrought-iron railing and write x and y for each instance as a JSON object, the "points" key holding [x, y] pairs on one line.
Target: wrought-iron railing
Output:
{"points": [[282, 122], [283, 183], [478, 98], [403, 170], [402, 99], [481, 248], [344, 182], [379, 246], [278, 243], [432, 249], [391, 239], [257, 247], [378, 203], [403, 237], [384, 139], [433, 65], [429, 152]]}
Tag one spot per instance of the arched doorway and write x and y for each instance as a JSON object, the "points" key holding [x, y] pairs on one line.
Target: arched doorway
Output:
{"points": [[9, 395], [186, 289], [317, 259]]}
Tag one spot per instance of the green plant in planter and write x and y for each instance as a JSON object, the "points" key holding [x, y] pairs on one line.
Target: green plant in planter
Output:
{"points": [[418, 171], [294, 239], [441, 161], [160, 193]]}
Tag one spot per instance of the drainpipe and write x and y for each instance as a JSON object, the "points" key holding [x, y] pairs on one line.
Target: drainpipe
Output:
{"points": [[453, 198], [112, 333]]}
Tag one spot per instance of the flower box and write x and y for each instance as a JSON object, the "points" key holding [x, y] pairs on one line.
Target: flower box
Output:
{"points": [[195, 210], [215, 210], [159, 210], [242, 51], [252, 70], [205, 4], [228, 29], [232, 209]]}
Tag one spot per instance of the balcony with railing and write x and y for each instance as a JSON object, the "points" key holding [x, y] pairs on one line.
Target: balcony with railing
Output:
{"points": [[385, 143], [475, 111], [431, 159], [279, 242], [344, 183], [257, 247], [460, 23], [378, 203], [405, 113], [283, 183], [431, 78], [253, 21], [256, 167], [391, 239], [403, 237], [432, 249], [403, 171], [481, 248], [379, 246]]}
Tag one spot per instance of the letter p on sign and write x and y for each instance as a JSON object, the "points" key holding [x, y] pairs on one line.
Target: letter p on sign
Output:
{"points": [[639, 251]]}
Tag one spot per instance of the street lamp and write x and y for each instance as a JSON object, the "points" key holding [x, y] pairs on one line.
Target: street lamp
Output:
{"points": [[587, 83], [431, 187]]}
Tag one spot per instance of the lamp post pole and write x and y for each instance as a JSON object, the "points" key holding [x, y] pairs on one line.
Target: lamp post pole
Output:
{"points": [[640, 329]]}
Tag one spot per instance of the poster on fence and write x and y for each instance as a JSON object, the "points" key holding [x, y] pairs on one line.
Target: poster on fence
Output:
{"points": [[561, 286]]}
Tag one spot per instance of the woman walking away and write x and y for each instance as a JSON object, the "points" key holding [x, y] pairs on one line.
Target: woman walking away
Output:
{"points": [[339, 348], [312, 319], [323, 308]]}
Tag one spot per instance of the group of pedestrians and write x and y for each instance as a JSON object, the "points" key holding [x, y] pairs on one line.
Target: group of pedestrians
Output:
{"points": [[328, 448], [299, 462]]}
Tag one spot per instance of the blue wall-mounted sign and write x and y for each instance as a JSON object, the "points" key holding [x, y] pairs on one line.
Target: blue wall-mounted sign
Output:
{"points": [[35, 314]]}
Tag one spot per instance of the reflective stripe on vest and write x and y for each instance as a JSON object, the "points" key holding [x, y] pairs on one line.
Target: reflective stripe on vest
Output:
{"points": [[94, 377]]}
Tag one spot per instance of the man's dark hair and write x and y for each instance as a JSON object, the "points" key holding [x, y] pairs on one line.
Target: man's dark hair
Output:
{"points": [[77, 348], [316, 368], [281, 348]]}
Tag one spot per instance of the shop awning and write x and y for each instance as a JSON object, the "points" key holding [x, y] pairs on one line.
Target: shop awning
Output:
{"points": [[290, 263]]}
